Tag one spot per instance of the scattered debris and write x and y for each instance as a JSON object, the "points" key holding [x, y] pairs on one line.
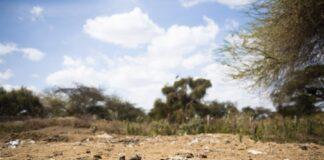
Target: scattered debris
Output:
{"points": [[128, 141], [104, 136], [82, 158], [255, 152], [56, 138], [13, 143], [194, 141], [185, 155]]}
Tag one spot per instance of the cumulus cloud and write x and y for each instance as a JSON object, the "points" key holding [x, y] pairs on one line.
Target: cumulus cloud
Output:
{"points": [[32, 54], [5, 75], [180, 50], [130, 29], [230, 3], [77, 70], [140, 77], [36, 12]]}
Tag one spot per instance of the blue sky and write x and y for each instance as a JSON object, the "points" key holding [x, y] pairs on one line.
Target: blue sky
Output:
{"points": [[131, 48]]}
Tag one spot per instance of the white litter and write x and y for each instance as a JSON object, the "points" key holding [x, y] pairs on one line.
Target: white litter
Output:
{"points": [[14, 143], [105, 136], [255, 152], [194, 141]]}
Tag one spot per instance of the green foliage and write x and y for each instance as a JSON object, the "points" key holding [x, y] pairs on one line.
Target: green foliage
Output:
{"points": [[183, 100], [20, 102], [54, 105], [282, 50], [122, 110], [299, 94], [83, 100], [80, 98]]}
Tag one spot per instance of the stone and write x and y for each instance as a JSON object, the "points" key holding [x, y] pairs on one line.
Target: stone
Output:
{"points": [[97, 157], [122, 157], [202, 155], [136, 157], [185, 155], [303, 146]]}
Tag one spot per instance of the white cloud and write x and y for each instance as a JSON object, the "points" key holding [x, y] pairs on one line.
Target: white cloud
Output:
{"points": [[140, 77], [5, 75], [77, 74], [7, 48], [129, 30], [36, 12], [69, 61], [77, 70], [230, 3], [32, 54], [180, 50]]}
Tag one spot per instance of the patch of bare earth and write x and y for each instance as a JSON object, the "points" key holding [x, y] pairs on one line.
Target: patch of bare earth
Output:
{"points": [[81, 144]]}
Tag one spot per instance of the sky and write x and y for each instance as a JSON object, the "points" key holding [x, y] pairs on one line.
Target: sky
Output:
{"points": [[129, 48]]}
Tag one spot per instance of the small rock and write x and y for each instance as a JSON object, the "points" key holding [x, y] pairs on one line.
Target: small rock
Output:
{"points": [[303, 146], [136, 157], [57, 153], [122, 157], [88, 151], [82, 158], [97, 157], [202, 155], [185, 155]]}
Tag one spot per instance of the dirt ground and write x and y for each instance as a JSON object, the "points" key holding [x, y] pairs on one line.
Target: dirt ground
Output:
{"points": [[82, 144]]}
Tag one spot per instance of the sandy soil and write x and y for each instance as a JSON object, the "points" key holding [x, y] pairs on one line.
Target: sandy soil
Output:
{"points": [[82, 144]]}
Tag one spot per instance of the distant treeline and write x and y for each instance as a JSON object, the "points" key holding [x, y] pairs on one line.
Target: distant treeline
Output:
{"points": [[183, 102]]}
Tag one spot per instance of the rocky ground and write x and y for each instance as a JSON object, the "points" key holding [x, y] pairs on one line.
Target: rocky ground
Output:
{"points": [[82, 144]]}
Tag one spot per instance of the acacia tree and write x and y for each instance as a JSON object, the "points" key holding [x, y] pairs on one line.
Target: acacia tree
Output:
{"points": [[284, 41], [183, 100], [81, 99], [84, 100]]}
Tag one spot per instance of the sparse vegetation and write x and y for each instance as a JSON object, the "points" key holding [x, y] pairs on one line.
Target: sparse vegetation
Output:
{"points": [[183, 113]]}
